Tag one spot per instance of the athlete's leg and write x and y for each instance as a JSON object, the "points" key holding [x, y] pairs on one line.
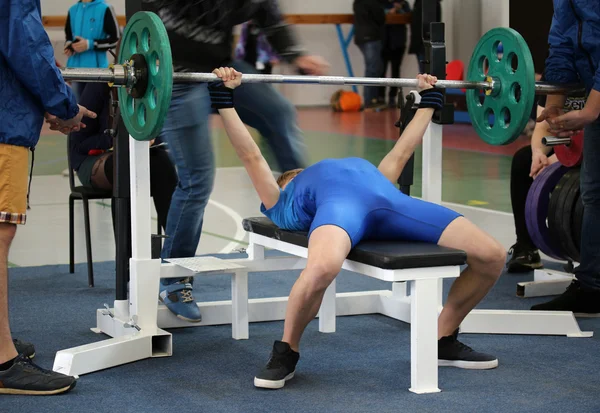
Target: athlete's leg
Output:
{"points": [[485, 259], [328, 247], [417, 220]]}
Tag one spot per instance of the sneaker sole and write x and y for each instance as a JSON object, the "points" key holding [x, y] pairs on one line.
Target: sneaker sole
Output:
{"points": [[272, 384], [189, 320], [37, 392], [469, 365]]}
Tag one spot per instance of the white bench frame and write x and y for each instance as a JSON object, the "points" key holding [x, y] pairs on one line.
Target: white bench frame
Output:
{"points": [[136, 325]]}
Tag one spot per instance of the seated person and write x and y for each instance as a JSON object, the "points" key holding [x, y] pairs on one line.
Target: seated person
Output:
{"points": [[527, 163], [92, 157], [341, 202]]}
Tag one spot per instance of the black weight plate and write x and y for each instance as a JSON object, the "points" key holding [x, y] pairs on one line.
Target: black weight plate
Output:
{"points": [[578, 223], [566, 202], [554, 217]]}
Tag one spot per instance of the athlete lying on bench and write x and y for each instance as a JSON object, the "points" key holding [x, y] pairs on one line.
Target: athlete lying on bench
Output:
{"points": [[343, 201]]}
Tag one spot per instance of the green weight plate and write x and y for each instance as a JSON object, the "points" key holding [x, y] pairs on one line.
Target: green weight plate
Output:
{"points": [[146, 35], [500, 117]]}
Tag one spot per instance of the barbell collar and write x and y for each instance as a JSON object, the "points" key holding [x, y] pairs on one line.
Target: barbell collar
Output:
{"points": [[555, 141]]}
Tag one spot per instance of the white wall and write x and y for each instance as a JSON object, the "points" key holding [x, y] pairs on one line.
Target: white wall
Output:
{"points": [[61, 7], [466, 21], [494, 13]]}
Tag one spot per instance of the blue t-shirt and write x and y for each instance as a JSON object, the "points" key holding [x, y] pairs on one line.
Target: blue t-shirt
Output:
{"points": [[348, 181]]}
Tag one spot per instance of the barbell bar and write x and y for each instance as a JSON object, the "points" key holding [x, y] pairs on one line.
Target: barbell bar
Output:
{"points": [[500, 86], [123, 79]]}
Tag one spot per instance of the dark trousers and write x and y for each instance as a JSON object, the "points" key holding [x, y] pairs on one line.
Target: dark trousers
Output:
{"points": [[392, 58], [163, 180], [588, 272], [520, 182], [372, 54]]}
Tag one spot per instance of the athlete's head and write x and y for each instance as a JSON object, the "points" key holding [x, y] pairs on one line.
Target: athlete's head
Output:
{"points": [[286, 177]]}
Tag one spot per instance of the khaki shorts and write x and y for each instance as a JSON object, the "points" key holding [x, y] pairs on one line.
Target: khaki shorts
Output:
{"points": [[14, 161]]}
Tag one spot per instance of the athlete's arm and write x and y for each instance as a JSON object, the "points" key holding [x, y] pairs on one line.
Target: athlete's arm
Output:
{"points": [[392, 165], [245, 147]]}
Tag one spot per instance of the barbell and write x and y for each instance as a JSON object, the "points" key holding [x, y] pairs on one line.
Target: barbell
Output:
{"points": [[500, 90]]}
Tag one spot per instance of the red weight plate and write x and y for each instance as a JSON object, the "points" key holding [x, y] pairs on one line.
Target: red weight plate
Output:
{"points": [[572, 154]]}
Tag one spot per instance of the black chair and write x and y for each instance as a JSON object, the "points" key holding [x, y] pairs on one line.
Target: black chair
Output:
{"points": [[84, 194]]}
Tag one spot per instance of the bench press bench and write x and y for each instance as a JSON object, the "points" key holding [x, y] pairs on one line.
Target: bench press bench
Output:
{"points": [[422, 265]]}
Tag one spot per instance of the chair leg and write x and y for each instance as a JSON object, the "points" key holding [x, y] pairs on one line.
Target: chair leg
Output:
{"points": [[88, 242], [71, 235]]}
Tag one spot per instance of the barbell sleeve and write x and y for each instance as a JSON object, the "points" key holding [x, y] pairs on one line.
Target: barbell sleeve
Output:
{"points": [[109, 76], [93, 75], [554, 141]]}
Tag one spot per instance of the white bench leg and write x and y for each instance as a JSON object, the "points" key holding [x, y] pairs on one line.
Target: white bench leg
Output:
{"points": [[423, 336], [327, 311], [239, 305]]}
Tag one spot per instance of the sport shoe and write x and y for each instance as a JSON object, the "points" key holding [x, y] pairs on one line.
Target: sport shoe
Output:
{"points": [[453, 353], [26, 349], [26, 378], [523, 259], [179, 299], [279, 369], [580, 301]]}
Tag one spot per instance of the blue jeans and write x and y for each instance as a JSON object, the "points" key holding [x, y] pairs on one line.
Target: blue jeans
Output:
{"points": [[588, 272], [187, 132], [373, 67]]}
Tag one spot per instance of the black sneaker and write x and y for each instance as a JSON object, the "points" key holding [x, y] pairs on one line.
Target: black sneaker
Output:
{"points": [[523, 259], [26, 349], [24, 377], [453, 353], [279, 369], [580, 301]]}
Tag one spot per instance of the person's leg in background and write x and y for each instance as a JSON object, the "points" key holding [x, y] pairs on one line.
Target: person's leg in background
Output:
{"points": [[421, 60], [262, 107], [186, 131], [385, 61], [396, 63], [163, 181], [524, 254], [373, 67], [583, 295], [17, 373]]}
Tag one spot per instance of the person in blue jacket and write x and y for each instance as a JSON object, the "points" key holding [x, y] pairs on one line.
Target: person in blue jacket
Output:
{"points": [[575, 57], [91, 30], [32, 89]]}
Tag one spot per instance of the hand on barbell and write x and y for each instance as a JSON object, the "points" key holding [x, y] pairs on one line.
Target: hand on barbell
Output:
{"points": [[231, 78], [425, 82]]}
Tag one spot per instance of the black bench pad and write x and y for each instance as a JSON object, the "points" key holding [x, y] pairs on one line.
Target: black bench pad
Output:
{"points": [[382, 254]]}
